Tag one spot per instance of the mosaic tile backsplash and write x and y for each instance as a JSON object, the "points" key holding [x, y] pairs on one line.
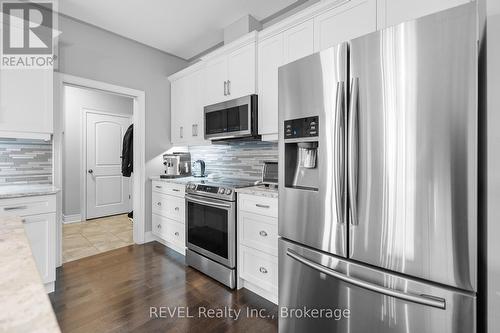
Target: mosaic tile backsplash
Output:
{"points": [[240, 159], [25, 162]]}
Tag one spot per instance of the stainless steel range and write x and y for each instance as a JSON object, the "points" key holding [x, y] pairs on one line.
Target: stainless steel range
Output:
{"points": [[211, 227]]}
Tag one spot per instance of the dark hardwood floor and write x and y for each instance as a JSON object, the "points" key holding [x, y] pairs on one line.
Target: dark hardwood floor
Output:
{"points": [[113, 292]]}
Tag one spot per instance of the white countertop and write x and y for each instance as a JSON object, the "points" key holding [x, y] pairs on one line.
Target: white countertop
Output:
{"points": [[26, 190], [25, 306], [260, 190]]}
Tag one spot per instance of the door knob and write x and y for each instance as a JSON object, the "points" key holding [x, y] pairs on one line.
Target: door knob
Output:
{"points": [[91, 171]]}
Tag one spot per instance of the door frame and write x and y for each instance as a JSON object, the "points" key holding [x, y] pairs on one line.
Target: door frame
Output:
{"points": [[139, 119], [83, 166]]}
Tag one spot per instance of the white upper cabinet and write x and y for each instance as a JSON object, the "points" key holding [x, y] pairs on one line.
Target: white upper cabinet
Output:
{"points": [[26, 102], [187, 101], [231, 70], [392, 12], [343, 23], [299, 41], [216, 80], [271, 56], [241, 72]]}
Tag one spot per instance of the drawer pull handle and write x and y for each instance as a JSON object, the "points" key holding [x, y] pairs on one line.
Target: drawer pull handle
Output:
{"points": [[176, 233], [15, 208], [176, 209], [262, 206], [158, 186], [175, 190], [263, 270], [263, 233]]}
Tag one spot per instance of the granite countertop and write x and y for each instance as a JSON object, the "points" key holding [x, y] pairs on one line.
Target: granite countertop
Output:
{"points": [[26, 190], [179, 180], [25, 304], [259, 190]]}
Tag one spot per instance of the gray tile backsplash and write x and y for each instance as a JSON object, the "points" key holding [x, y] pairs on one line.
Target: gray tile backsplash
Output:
{"points": [[25, 162], [240, 159]]}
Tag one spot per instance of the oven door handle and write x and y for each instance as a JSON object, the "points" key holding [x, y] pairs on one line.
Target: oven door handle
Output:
{"points": [[208, 203]]}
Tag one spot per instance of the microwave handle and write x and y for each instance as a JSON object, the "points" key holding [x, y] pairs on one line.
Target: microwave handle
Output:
{"points": [[225, 88], [228, 87]]}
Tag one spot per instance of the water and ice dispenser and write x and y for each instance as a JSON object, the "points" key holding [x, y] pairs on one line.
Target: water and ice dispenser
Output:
{"points": [[301, 153]]}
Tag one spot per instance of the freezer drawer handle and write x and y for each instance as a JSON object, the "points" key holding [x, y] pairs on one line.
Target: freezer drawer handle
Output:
{"points": [[15, 208], [421, 299]]}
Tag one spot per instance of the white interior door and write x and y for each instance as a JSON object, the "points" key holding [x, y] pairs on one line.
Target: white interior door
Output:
{"points": [[108, 192]]}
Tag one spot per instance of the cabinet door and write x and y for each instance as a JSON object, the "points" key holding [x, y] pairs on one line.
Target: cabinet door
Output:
{"points": [[271, 56], [194, 126], [241, 75], [178, 104], [397, 11], [41, 232], [19, 113], [215, 78], [342, 24], [299, 41]]}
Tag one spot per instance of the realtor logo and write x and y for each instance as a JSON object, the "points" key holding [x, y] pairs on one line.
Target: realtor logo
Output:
{"points": [[27, 34]]}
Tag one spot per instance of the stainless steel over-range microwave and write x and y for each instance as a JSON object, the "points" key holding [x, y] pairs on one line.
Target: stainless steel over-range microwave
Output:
{"points": [[232, 119]]}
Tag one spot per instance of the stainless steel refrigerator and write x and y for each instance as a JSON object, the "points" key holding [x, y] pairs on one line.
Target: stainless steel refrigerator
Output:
{"points": [[378, 149]]}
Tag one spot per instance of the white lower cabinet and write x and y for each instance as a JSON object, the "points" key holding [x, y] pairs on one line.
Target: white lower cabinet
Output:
{"points": [[38, 214], [258, 245], [168, 219]]}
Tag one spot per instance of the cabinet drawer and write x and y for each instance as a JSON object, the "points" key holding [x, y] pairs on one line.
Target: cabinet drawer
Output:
{"points": [[259, 268], [29, 205], [169, 230], [258, 205], [168, 206], [168, 188], [175, 233], [259, 232]]}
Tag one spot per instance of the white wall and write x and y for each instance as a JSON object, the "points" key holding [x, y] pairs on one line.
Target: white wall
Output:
{"points": [[76, 99], [93, 53], [493, 164]]}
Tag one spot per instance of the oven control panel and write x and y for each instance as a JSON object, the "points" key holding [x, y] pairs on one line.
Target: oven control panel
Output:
{"points": [[211, 191]]}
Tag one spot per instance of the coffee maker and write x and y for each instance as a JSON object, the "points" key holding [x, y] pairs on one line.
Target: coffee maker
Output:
{"points": [[176, 165]]}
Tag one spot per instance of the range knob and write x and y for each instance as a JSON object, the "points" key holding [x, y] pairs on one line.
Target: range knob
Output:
{"points": [[229, 191], [192, 186], [221, 190]]}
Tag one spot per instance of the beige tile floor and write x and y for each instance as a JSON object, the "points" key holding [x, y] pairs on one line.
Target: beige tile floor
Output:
{"points": [[95, 236]]}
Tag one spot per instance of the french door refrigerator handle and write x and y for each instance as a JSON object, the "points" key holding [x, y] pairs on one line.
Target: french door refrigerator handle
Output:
{"points": [[436, 302], [353, 151], [339, 167]]}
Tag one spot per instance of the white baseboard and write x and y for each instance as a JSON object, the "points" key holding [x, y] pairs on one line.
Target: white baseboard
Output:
{"points": [[74, 218], [149, 237]]}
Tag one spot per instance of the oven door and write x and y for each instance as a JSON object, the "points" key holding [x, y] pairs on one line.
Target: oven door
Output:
{"points": [[211, 228]]}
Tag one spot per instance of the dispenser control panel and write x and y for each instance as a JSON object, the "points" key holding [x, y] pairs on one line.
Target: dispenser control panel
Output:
{"points": [[301, 128]]}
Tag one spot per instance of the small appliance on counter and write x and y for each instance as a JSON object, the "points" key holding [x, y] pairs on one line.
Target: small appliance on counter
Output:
{"points": [[198, 169], [270, 174], [176, 165]]}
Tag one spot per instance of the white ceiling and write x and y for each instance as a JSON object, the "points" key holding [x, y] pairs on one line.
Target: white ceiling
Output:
{"points": [[180, 27]]}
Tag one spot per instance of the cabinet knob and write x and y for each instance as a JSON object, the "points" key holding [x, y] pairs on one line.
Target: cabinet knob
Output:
{"points": [[176, 209], [91, 171], [263, 270], [159, 226], [263, 233], [158, 203], [176, 233]]}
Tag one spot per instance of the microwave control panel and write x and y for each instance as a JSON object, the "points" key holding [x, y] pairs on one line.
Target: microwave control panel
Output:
{"points": [[301, 127]]}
